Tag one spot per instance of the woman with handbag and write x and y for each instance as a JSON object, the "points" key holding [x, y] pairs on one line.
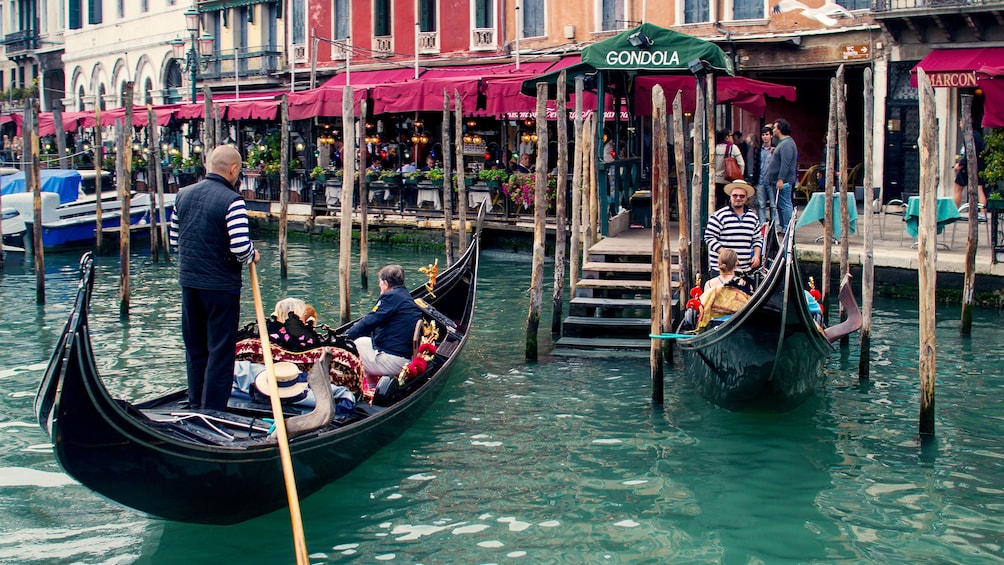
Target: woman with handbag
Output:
{"points": [[729, 165]]}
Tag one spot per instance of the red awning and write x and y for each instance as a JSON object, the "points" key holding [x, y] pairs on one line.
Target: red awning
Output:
{"points": [[743, 92], [425, 95], [323, 101], [956, 68], [366, 78], [252, 109]]}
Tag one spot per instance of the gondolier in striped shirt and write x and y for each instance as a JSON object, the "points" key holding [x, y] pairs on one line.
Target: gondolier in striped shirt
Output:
{"points": [[209, 228], [737, 227]]}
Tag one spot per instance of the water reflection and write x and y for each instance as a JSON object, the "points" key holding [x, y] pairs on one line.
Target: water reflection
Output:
{"points": [[561, 461]]}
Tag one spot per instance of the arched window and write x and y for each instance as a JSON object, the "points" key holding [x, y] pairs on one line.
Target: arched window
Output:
{"points": [[148, 91], [172, 82], [80, 99], [100, 103]]}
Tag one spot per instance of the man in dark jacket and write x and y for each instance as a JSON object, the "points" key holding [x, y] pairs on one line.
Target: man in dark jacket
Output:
{"points": [[384, 336], [209, 228]]}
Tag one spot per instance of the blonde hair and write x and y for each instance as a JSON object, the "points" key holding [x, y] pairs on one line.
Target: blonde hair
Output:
{"points": [[727, 260], [287, 305]]}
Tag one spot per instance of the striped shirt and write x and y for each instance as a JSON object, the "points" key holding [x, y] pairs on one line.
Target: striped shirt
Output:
{"points": [[739, 233], [237, 228]]}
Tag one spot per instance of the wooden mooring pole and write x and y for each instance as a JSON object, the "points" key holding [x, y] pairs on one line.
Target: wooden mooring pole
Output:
{"points": [[345, 231], [283, 184], [830, 164], [33, 184], [539, 215], [123, 138], [697, 192], [968, 290], [157, 176], [845, 217], [448, 188], [868, 263], [926, 250], [575, 248], [661, 255], [99, 157], [462, 203], [364, 221], [560, 226], [683, 213]]}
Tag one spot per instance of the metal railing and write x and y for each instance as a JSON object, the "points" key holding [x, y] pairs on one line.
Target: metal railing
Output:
{"points": [[890, 5], [260, 62], [20, 42]]}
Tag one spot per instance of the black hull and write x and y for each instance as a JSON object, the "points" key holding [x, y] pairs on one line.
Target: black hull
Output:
{"points": [[114, 449], [770, 354]]}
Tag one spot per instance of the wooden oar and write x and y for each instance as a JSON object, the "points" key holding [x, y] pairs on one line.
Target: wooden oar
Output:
{"points": [[299, 543]]}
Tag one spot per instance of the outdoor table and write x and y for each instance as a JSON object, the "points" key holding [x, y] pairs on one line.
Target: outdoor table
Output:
{"points": [[816, 208], [946, 213], [476, 197], [429, 194]]}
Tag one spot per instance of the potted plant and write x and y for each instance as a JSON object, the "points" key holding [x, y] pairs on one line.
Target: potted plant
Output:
{"points": [[319, 174], [435, 176], [494, 177], [413, 177], [390, 176], [993, 169]]}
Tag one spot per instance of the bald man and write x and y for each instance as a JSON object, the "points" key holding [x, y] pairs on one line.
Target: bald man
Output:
{"points": [[209, 228]]}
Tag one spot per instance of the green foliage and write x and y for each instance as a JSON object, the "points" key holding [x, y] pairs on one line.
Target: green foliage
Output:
{"points": [[496, 175], [435, 175], [414, 176], [318, 172], [993, 171], [389, 175]]}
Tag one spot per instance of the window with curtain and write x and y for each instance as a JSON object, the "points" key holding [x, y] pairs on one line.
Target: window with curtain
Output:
{"points": [[696, 11], [427, 15], [484, 14], [93, 11], [613, 14], [533, 18], [341, 19], [381, 18], [299, 22], [747, 10]]}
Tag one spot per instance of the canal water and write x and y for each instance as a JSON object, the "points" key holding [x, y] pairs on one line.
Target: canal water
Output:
{"points": [[560, 461]]}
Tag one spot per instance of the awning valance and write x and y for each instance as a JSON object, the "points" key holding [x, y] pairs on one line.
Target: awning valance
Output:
{"points": [[957, 68], [217, 5]]}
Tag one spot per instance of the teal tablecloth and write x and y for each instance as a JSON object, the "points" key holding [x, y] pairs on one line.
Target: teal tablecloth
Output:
{"points": [[816, 208], [946, 214]]}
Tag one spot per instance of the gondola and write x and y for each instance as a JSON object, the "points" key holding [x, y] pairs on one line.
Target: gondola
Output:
{"points": [[770, 354], [215, 467]]}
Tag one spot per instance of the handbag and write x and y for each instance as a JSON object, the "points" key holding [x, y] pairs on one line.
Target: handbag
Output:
{"points": [[731, 171]]}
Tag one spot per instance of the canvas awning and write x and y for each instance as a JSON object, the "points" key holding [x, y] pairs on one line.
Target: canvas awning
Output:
{"points": [[646, 49], [743, 92], [957, 68]]}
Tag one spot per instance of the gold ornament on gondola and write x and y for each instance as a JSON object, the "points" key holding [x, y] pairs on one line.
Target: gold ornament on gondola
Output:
{"points": [[432, 271]]}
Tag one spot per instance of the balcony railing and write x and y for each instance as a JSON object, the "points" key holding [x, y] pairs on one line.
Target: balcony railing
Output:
{"points": [[261, 62], [483, 38], [428, 42], [20, 42], [889, 5], [383, 45]]}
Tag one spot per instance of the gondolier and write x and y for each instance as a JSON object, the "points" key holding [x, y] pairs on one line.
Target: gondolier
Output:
{"points": [[737, 227], [209, 228]]}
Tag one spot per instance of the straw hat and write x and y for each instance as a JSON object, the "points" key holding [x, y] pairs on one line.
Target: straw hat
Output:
{"points": [[739, 183], [287, 375]]}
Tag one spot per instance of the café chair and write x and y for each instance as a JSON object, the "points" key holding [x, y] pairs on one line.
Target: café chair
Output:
{"points": [[964, 217], [809, 182]]}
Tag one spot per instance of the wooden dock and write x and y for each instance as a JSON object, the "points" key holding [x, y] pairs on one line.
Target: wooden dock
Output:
{"points": [[610, 312]]}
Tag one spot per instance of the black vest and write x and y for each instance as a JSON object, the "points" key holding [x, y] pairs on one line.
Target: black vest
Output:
{"points": [[205, 260]]}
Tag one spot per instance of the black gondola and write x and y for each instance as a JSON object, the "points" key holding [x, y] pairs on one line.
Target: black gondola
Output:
{"points": [[223, 467], [771, 353]]}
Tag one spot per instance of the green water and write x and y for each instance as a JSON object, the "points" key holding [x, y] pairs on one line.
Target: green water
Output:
{"points": [[561, 461]]}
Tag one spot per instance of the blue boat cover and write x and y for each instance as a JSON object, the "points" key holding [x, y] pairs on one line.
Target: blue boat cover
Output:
{"points": [[64, 182]]}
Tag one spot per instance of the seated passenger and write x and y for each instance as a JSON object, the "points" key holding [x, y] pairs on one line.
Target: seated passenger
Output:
{"points": [[384, 336], [291, 325], [725, 294]]}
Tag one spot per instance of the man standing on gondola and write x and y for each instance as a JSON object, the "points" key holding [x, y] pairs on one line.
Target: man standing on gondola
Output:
{"points": [[736, 227], [209, 228]]}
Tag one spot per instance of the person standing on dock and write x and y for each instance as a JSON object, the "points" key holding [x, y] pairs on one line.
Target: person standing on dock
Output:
{"points": [[209, 228], [782, 173], [736, 227]]}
